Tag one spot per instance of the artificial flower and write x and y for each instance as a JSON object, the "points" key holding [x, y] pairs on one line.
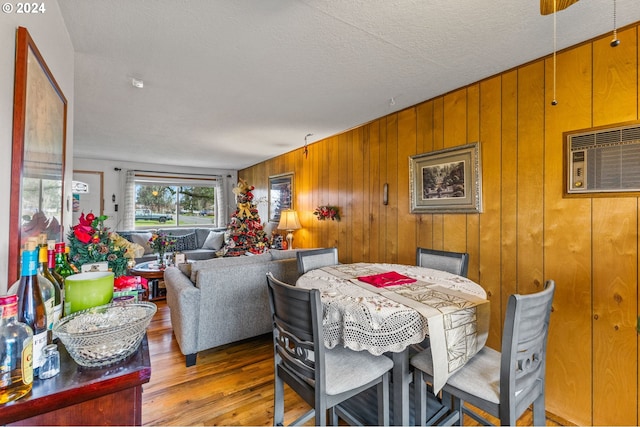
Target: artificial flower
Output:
{"points": [[327, 212], [90, 242]]}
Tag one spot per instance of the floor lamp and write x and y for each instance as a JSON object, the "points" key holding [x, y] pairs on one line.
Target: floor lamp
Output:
{"points": [[289, 221]]}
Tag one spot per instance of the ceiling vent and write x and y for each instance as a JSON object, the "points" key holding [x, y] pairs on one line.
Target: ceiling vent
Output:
{"points": [[604, 160]]}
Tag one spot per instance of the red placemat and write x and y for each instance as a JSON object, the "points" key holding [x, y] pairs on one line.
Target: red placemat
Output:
{"points": [[390, 278]]}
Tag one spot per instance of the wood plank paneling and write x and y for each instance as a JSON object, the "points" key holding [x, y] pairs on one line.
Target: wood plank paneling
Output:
{"points": [[568, 254], [391, 237], [615, 356], [509, 192], [473, 221], [615, 79], [424, 141], [530, 177], [438, 144], [406, 222], [455, 134], [375, 188], [490, 219], [528, 231]]}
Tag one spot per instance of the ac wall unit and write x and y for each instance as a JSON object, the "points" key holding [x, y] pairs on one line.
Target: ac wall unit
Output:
{"points": [[603, 160]]}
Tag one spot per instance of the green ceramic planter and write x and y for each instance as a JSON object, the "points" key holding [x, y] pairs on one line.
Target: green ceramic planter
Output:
{"points": [[86, 290]]}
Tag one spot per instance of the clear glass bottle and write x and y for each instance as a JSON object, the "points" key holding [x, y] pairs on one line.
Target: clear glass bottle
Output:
{"points": [[51, 364], [31, 308], [16, 350]]}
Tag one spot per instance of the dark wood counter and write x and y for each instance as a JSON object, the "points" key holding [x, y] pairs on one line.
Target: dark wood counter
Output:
{"points": [[85, 396]]}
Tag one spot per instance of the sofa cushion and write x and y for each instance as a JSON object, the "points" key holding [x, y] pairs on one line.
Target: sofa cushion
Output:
{"points": [[142, 239], [185, 243], [226, 262], [283, 254], [214, 241]]}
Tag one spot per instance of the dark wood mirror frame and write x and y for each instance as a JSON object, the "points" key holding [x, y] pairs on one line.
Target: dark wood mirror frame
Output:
{"points": [[39, 138]]}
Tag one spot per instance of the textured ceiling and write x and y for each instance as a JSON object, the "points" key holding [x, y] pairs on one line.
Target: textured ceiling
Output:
{"points": [[229, 83]]}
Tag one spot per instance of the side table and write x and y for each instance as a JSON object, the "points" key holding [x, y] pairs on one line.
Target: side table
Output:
{"points": [[151, 271]]}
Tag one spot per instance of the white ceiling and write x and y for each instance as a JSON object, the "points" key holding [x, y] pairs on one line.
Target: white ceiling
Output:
{"points": [[229, 83]]}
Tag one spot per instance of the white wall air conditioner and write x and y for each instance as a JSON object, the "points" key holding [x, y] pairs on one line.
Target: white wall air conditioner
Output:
{"points": [[604, 160]]}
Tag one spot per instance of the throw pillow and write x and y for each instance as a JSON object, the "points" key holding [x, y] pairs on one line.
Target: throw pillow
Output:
{"points": [[142, 239], [185, 243], [214, 241]]}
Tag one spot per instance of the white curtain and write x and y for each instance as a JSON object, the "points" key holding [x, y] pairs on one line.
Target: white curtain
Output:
{"points": [[221, 204], [129, 201]]}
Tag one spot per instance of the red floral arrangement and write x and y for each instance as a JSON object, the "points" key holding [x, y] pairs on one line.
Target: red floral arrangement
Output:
{"points": [[327, 212], [90, 242]]}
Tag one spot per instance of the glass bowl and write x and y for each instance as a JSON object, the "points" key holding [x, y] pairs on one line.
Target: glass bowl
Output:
{"points": [[104, 335]]}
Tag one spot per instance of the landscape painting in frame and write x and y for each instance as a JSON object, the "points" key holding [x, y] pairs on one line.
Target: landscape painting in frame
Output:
{"points": [[446, 181]]}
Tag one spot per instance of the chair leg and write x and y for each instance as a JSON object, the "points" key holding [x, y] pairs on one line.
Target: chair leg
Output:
{"points": [[278, 401], [457, 406], [420, 399], [539, 416], [333, 416], [383, 401], [321, 414]]}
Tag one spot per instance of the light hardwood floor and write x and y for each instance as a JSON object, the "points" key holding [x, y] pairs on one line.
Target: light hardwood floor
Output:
{"points": [[229, 385]]}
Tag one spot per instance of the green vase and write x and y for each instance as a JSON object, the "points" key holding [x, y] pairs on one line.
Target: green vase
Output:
{"points": [[86, 290]]}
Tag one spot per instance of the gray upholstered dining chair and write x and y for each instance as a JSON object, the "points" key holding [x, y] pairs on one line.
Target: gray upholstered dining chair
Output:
{"points": [[503, 384], [452, 262], [323, 377], [316, 258]]}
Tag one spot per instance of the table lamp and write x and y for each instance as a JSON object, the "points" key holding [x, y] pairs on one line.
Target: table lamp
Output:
{"points": [[289, 221]]}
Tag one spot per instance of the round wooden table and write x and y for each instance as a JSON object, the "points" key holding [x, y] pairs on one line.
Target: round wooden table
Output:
{"points": [[150, 271]]}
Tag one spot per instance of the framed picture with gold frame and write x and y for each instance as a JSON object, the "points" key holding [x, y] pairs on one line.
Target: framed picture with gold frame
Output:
{"points": [[280, 195], [38, 151], [446, 181]]}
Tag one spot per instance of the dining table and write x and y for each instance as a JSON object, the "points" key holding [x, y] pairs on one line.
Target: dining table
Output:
{"points": [[388, 309]]}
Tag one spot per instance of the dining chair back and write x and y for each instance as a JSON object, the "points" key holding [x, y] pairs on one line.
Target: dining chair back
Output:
{"points": [[452, 262], [503, 384], [316, 258], [322, 377]]}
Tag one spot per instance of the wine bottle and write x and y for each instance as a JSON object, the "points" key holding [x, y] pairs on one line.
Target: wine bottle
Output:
{"points": [[16, 350], [51, 264], [47, 288], [56, 304], [62, 266], [31, 308]]}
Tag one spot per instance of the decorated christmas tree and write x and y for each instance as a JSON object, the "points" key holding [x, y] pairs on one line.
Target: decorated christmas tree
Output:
{"points": [[245, 232]]}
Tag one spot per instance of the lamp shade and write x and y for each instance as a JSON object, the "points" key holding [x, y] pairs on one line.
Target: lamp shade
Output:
{"points": [[289, 220]]}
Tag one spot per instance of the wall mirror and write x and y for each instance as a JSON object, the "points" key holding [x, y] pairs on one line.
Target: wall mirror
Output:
{"points": [[38, 152]]}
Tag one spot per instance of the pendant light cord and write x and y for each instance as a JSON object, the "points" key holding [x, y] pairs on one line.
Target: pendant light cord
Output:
{"points": [[615, 42], [555, 47]]}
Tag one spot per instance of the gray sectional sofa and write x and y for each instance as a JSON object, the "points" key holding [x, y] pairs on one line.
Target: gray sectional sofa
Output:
{"points": [[222, 300], [196, 243]]}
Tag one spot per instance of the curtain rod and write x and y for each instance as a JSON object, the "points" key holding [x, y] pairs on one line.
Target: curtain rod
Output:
{"points": [[178, 173]]}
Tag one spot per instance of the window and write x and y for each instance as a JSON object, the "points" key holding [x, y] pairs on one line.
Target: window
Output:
{"points": [[174, 201]]}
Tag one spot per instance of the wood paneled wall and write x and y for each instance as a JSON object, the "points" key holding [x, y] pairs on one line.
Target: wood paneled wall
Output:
{"points": [[528, 231]]}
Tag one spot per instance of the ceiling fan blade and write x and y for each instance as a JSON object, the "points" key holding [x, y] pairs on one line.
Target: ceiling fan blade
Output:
{"points": [[546, 6]]}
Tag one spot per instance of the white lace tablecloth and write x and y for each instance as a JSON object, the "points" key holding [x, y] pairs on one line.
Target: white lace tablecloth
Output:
{"points": [[389, 319]]}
